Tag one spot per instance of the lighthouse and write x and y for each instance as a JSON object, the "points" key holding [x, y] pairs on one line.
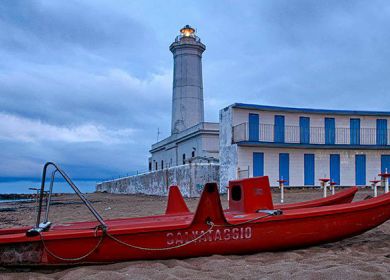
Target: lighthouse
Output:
{"points": [[192, 140], [187, 96]]}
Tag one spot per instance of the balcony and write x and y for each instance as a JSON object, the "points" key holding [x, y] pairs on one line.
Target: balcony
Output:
{"points": [[296, 136]]}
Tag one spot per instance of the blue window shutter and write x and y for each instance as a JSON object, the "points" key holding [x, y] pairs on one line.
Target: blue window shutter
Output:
{"points": [[284, 166], [330, 131], [381, 132], [258, 164], [253, 127], [304, 130], [385, 163], [335, 168], [279, 129], [360, 170], [355, 131], [309, 169]]}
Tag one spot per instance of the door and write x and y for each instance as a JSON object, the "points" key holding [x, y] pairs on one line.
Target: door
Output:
{"points": [[360, 170], [385, 163], [304, 130], [258, 164], [355, 131], [279, 129], [309, 169], [335, 168], [330, 131], [381, 132], [253, 127], [284, 166]]}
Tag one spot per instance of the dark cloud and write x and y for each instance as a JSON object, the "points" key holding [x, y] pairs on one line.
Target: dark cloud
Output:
{"points": [[87, 83], [39, 25], [308, 53]]}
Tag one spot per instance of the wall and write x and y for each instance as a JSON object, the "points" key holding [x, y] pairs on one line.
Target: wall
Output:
{"points": [[210, 145], [189, 177], [228, 156], [206, 145], [322, 163], [203, 137]]}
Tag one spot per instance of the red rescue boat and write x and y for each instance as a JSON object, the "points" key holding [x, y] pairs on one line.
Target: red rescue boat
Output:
{"points": [[242, 229], [251, 188]]}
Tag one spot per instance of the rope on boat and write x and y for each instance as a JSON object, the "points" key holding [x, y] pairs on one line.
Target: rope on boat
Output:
{"points": [[210, 223], [246, 222], [74, 259], [105, 233]]}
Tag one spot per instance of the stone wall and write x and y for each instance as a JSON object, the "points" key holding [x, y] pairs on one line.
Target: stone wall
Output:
{"points": [[228, 152], [189, 177]]}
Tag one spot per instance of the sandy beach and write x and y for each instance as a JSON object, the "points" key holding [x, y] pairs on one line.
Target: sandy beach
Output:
{"points": [[363, 257]]}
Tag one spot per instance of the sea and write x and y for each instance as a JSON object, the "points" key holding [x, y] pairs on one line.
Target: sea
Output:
{"points": [[23, 186]]}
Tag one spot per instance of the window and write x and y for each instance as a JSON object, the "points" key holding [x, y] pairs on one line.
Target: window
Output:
{"points": [[355, 131], [304, 130], [184, 158], [385, 163], [162, 164], [279, 129], [253, 127], [193, 154], [284, 166], [335, 168], [309, 169], [258, 164], [330, 131], [150, 166], [156, 165], [236, 193], [381, 132], [360, 170]]}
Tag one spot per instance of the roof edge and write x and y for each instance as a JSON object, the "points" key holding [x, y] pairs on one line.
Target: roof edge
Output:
{"points": [[308, 110]]}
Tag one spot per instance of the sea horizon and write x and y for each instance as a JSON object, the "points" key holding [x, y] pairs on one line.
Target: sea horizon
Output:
{"points": [[11, 185]]}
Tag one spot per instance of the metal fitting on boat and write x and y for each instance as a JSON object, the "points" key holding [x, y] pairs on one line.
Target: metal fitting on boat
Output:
{"points": [[36, 231], [275, 212]]}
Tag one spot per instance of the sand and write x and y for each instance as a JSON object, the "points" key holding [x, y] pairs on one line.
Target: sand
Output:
{"points": [[362, 257]]}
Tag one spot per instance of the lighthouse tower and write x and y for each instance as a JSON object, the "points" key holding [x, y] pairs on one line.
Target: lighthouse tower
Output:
{"points": [[187, 99], [199, 144]]}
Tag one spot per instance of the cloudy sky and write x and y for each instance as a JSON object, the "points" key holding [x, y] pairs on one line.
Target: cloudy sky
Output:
{"points": [[87, 83]]}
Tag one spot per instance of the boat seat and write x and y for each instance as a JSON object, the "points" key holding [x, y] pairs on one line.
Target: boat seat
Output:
{"points": [[250, 195]]}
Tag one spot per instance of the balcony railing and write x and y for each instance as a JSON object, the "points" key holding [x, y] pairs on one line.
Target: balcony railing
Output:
{"points": [[270, 133]]}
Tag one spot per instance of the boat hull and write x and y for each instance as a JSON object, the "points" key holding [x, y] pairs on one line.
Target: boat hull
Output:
{"points": [[345, 196], [204, 233]]}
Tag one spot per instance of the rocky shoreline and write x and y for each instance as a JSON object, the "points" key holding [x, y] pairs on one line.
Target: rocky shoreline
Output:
{"points": [[17, 196], [13, 196]]}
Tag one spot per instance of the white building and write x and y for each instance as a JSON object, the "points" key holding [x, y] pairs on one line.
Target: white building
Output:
{"points": [[192, 139], [199, 143], [303, 145]]}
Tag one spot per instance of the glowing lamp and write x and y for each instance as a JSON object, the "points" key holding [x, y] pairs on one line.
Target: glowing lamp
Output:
{"points": [[187, 31]]}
